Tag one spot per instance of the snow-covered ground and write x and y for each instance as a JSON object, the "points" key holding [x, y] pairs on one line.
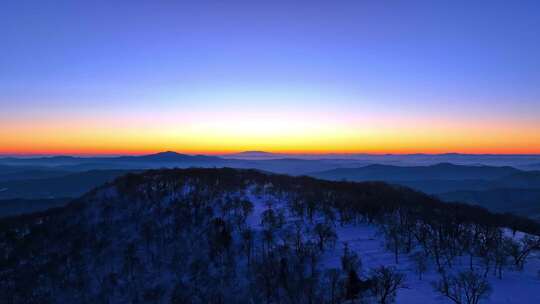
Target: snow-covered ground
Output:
{"points": [[515, 286], [519, 287]]}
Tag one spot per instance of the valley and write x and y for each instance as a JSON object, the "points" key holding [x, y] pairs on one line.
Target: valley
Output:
{"points": [[497, 188]]}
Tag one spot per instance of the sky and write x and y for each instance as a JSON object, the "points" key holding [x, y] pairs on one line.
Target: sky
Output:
{"points": [[135, 77]]}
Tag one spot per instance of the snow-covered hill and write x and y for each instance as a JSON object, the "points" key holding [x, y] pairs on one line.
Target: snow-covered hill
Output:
{"points": [[241, 236], [366, 240]]}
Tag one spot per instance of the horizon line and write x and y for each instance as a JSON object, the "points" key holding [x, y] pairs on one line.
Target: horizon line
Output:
{"points": [[193, 153]]}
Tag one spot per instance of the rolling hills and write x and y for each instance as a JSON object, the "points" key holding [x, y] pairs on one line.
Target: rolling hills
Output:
{"points": [[67, 176], [66, 185], [442, 171], [500, 189]]}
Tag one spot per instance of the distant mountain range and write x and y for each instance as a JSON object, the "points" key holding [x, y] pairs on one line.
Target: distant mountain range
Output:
{"points": [[439, 178], [443, 171], [293, 166], [68, 185], [332, 161], [521, 180], [26, 172], [500, 189], [254, 155], [524, 202], [163, 157], [69, 176], [534, 165]]}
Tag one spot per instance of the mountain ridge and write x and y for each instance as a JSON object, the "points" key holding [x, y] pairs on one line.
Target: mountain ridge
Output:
{"points": [[440, 171]]}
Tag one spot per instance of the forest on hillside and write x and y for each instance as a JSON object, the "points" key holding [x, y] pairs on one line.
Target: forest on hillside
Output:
{"points": [[242, 236]]}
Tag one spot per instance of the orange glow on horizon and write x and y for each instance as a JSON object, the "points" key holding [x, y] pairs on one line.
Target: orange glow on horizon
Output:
{"points": [[387, 148], [104, 153], [293, 134]]}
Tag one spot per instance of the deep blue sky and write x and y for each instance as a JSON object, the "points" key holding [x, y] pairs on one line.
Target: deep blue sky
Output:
{"points": [[455, 60]]}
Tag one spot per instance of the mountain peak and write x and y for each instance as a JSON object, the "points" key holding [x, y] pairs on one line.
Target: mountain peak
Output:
{"points": [[171, 156], [166, 153]]}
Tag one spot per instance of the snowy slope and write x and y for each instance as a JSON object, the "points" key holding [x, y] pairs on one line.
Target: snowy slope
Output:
{"points": [[519, 287]]}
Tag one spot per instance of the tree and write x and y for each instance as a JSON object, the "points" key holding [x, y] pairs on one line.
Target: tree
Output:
{"points": [[420, 261], [520, 251], [325, 234], [247, 243], [501, 254], [269, 219], [333, 278], [268, 240], [468, 287], [247, 208], [352, 286], [385, 283], [350, 260], [220, 238], [393, 237], [131, 261], [267, 276]]}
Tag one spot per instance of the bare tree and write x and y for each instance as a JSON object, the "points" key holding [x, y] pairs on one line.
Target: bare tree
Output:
{"points": [[350, 260], [247, 243], [325, 234], [468, 287], [501, 255], [420, 261], [393, 237], [520, 251], [385, 283], [333, 279], [269, 219], [352, 286]]}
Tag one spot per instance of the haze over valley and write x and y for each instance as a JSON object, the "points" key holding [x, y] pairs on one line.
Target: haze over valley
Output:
{"points": [[491, 181]]}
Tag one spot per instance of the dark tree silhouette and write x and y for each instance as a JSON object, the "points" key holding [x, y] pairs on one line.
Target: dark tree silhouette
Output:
{"points": [[386, 282]]}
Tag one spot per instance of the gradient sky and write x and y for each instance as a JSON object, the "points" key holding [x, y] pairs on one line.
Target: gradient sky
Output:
{"points": [[92, 77]]}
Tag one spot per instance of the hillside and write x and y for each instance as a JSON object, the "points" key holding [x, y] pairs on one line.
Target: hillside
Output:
{"points": [[28, 172], [18, 206], [521, 180], [442, 171], [500, 189], [242, 236], [524, 202], [516, 181], [65, 185]]}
